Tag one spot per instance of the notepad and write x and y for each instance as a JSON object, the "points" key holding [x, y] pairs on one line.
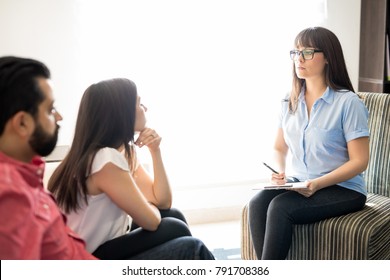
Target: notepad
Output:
{"points": [[266, 186]]}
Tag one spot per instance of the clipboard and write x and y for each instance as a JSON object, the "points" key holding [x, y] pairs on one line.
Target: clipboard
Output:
{"points": [[267, 186]]}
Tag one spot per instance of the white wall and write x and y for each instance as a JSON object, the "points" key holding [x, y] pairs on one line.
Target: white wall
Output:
{"points": [[48, 31], [344, 21]]}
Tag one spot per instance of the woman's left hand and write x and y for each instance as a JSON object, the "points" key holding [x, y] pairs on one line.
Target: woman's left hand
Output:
{"points": [[148, 137], [311, 188]]}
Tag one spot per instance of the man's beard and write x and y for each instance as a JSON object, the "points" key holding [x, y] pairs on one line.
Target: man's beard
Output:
{"points": [[42, 142]]}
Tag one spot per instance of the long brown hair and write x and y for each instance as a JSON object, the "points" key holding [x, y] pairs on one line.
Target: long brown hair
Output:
{"points": [[106, 118], [336, 74]]}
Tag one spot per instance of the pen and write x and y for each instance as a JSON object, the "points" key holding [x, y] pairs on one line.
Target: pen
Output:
{"points": [[270, 168]]}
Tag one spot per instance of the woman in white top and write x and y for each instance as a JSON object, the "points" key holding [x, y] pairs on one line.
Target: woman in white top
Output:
{"points": [[101, 185]]}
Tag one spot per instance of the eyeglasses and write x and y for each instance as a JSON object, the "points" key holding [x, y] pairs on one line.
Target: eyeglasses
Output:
{"points": [[306, 54]]}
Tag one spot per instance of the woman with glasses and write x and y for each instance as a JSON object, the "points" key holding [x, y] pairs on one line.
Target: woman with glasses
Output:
{"points": [[101, 184], [323, 128]]}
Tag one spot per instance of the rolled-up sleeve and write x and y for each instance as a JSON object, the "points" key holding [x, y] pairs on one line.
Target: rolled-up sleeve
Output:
{"points": [[355, 123]]}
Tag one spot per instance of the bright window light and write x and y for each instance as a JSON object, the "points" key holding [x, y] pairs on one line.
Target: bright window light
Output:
{"points": [[212, 74]]}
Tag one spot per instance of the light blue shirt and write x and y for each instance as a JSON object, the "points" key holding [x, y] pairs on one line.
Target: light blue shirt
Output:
{"points": [[319, 145]]}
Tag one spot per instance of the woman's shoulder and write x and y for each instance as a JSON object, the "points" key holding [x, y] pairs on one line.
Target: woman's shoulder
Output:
{"points": [[346, 97], [349, 100], [345, 94], [108, 152], [108, 155]]}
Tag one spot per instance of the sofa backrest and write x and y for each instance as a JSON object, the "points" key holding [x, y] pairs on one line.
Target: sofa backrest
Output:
{"points": [[377, 175]]}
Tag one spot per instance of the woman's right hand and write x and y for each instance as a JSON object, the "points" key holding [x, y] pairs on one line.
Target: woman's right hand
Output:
{"points": [[148, 137], [278, 179]]}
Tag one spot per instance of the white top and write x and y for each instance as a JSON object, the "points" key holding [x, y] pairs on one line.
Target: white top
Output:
{"points": [[101, 220]]}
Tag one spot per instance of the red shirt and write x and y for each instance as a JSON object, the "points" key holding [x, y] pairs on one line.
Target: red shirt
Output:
{"points": [[31, 225]]}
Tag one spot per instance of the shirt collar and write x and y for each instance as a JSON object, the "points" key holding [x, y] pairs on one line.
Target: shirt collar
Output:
{"points": [[32, 172], [328, 95]]}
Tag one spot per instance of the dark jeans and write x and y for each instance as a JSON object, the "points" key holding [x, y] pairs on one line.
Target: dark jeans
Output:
{"points": [[167, 242], [272, 214], [182, 248]]}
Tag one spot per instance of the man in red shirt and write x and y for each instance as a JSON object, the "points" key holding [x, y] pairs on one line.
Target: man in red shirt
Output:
{"points": [[31, 225]]}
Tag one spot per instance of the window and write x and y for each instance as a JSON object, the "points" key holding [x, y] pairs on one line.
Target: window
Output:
{"points": [[211, 73]]}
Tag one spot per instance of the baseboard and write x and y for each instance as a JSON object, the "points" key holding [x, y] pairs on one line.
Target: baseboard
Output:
{"points": [[212, 215]]}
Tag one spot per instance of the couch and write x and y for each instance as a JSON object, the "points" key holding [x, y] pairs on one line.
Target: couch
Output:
{"points": [[357, 236]]}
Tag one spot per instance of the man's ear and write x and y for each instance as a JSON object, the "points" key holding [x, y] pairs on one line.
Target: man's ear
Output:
{"points": [[22, 123]]}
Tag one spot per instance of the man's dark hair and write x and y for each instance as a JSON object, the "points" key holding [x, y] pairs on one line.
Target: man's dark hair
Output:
{"points": [[19, 89]]}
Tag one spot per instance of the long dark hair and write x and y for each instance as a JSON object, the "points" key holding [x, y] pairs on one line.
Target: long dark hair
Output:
{"points": [[336, 74], [106, 118]]}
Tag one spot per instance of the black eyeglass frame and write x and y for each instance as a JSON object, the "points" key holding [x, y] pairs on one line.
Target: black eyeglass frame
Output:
{"points": [[296, 53]]}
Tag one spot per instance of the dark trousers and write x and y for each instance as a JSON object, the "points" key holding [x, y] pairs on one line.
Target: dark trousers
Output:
{"points": [[171, 240], [272, 214], [169, 213]]}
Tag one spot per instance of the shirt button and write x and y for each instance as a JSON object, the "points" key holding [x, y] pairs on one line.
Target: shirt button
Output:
{"points": [[39, 172], [45, 206]]}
